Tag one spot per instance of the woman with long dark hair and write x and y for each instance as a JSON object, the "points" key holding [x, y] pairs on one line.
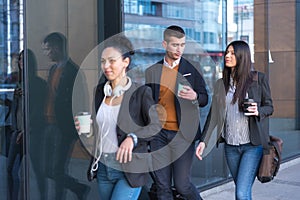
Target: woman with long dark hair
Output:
{"points": [[243, 129]]}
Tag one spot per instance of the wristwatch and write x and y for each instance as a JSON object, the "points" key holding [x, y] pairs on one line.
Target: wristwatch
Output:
{"points": [[134, 138]]}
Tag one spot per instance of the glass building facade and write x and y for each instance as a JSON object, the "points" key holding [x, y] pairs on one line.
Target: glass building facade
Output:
{"points": [[27, 154]]}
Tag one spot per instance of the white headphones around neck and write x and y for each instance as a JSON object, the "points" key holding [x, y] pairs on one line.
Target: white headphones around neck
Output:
{"points": [[118, 90]]}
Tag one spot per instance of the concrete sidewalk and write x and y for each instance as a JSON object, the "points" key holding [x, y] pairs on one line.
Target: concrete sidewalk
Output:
{"points": [[285, 186]]}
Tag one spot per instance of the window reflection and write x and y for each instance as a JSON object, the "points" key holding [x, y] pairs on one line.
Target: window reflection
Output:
{"points": [[202, 22], [11, 99]]}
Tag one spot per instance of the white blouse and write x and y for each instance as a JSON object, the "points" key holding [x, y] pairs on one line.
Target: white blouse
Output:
{"points": [[107, 121]]}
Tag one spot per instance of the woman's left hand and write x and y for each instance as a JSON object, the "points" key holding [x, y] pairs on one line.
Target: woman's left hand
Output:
{"points": [[253, 109], [199, 150], [124, 153], [18, 92]]}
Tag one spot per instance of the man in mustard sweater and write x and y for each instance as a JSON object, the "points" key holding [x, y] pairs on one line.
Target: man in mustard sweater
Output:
{"points": [[179, 90]]}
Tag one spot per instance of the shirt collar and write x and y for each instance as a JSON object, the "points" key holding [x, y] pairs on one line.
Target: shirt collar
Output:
{"points": [[174, 64], [62, 63]]}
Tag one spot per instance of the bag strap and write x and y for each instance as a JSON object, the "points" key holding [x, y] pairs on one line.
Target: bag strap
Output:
{"points": [[277, 143]]}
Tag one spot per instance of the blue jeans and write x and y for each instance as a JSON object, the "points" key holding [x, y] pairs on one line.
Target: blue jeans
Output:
{"points": [[13, 166], [243, 162], [112, 182]]}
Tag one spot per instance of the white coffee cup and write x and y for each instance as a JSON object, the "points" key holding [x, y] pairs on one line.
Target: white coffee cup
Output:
{"points": [[84, 119]]}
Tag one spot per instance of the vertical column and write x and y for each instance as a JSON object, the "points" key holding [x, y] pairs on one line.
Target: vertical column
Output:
{"points": [[297, 66], [261, 35]]}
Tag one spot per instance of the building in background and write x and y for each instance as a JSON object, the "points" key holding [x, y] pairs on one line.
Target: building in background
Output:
{"points": [[202, 22], [11, 34]]}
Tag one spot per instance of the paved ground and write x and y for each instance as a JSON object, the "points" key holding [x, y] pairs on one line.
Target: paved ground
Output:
{"points": [[285, 186]]}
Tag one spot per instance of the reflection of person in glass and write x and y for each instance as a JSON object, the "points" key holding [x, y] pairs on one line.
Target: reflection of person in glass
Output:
{"points": [[236, 126], [123, 125], [15, 152], [37, 94], [179, 115], [60, 133]]}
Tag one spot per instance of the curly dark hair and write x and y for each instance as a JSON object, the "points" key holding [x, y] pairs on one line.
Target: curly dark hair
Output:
{"points": [[120, 42]]}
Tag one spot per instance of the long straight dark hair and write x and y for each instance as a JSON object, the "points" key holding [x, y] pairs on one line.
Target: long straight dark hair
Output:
{"points": [[242, 76]]}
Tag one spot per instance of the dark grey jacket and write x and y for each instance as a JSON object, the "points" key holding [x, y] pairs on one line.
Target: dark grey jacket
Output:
{"points": [[259, 90]]}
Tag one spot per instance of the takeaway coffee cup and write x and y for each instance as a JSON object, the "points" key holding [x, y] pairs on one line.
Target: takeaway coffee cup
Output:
{"points": [[246, 104], [180, 87], [84, 119]]}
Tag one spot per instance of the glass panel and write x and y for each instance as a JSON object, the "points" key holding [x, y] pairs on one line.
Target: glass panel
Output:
{"points": [[60, 35], [202, 22], [11, 99], [211, 25]]}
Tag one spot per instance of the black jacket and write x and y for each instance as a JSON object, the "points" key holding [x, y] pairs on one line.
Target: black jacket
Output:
{"points": [[69, 79], [187, 111], [137, 115]]}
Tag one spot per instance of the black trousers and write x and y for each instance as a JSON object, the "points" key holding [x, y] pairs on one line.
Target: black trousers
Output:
{"points": [[172, 160]]}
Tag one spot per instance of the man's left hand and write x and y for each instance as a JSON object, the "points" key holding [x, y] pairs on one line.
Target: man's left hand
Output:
{"points": [[187, 93]]}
